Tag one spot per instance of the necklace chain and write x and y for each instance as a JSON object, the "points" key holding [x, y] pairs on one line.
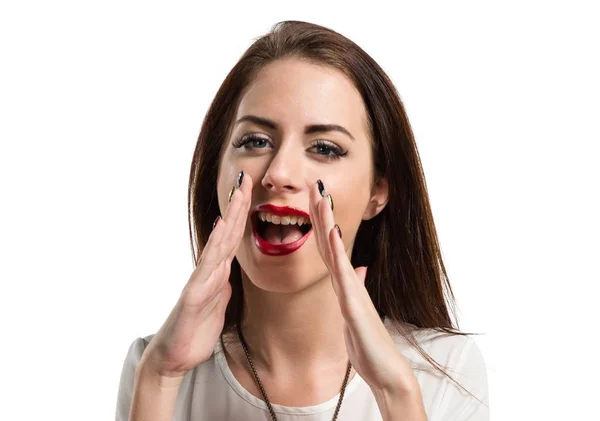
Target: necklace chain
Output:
{"points": [[262, 389]]}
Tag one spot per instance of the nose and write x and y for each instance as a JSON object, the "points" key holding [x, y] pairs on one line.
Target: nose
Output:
{"points": [[284, 173]]}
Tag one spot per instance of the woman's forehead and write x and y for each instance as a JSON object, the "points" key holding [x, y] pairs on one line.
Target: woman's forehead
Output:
{"points": [[301, 93]]}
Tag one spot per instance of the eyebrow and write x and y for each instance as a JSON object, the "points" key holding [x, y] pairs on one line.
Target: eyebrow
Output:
{"points": [[310, 129]]}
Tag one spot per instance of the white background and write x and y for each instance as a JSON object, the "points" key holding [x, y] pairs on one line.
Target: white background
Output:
{"points": [[100, 107]]}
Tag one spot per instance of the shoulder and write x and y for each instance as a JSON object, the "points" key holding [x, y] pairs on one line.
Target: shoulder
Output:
{"points": [[455, 349], [134, 356], [136, 349], [461, 358], [127, 378], [458, 355]]}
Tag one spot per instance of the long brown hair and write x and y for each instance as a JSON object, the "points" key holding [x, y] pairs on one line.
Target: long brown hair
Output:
{"points": [[406, 280]]}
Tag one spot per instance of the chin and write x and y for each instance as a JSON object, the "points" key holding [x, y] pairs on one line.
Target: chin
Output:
{"points": [[284, 274]]}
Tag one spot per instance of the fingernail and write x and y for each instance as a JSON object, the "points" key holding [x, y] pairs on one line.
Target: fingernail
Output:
{"points": [[216, 220], [321, 188], [330, 200], [239, 178], [337, 227], [231, 194]]}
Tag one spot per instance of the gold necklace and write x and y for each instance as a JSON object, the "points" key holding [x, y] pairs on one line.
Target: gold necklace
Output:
{"points": [[262, 390]]}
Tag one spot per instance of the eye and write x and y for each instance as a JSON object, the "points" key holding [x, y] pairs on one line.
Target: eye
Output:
{"points": [[329, 150], [251, 141]]}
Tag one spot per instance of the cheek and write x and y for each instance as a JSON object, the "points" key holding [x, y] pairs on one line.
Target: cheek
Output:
{"points": [[350, 192]]}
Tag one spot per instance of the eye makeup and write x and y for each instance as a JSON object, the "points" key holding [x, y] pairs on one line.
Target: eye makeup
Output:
{"points": [[332, 151]]}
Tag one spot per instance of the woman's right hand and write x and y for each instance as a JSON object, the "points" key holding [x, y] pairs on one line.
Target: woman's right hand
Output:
{"points": [[189, 335]]}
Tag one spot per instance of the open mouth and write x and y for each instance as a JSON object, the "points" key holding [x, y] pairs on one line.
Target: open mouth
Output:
{"points": [[283, 235], [280, 233]]}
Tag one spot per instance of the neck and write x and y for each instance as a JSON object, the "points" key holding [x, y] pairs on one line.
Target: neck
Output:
{"points": [[300, 332]]}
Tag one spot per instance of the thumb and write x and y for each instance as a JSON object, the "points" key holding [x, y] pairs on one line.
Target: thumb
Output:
{"points": [[361, 272]]}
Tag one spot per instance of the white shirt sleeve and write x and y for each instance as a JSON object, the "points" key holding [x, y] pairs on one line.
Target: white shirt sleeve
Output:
{"points": [[136, 349], [458, 405]]}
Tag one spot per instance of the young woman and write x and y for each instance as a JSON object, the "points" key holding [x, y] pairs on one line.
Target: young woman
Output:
{"points": [[319, 290]]}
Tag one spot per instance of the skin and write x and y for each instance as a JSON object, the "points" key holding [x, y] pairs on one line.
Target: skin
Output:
{"points": [[294, 326]]}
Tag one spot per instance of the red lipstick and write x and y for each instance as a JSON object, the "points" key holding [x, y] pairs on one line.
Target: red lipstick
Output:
{"points": [[280, 210], [277, 249]]}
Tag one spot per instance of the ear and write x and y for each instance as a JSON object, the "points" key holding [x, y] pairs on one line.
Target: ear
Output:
{"points": [[379, 198]]}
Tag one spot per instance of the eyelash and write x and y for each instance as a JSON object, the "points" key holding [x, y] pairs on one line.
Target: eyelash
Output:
{"points": [[337, 151]]}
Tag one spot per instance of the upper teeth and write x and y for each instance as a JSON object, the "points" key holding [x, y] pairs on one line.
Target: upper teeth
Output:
{"points": [[283, 220]]}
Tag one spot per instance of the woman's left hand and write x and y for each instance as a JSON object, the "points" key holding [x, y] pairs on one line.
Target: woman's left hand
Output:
{"points": [[371, 350]]}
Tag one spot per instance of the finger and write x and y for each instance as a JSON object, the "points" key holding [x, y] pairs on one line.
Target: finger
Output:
{"points": [[342, 269], [209, 269], [239, 229], [220, 241], [203, 282], [232, 210], [315, 199], [233, 213], [341, 263], [208, 258], [325, 222], [214, 289]]}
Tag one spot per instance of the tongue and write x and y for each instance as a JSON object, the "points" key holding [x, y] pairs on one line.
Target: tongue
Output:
{"points": [[282, 234]]}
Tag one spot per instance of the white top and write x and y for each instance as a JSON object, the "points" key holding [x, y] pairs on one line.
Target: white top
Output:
{"points": [[210, 392]]}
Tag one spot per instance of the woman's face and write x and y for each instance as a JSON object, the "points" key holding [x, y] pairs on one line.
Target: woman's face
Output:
{"points": [[285, 161]]}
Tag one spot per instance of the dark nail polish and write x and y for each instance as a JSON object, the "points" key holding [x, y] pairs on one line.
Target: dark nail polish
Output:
{"points": [[330, 201], [231, 194], [337, 227], [239, 178], [216, 220], [321, 188]]}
